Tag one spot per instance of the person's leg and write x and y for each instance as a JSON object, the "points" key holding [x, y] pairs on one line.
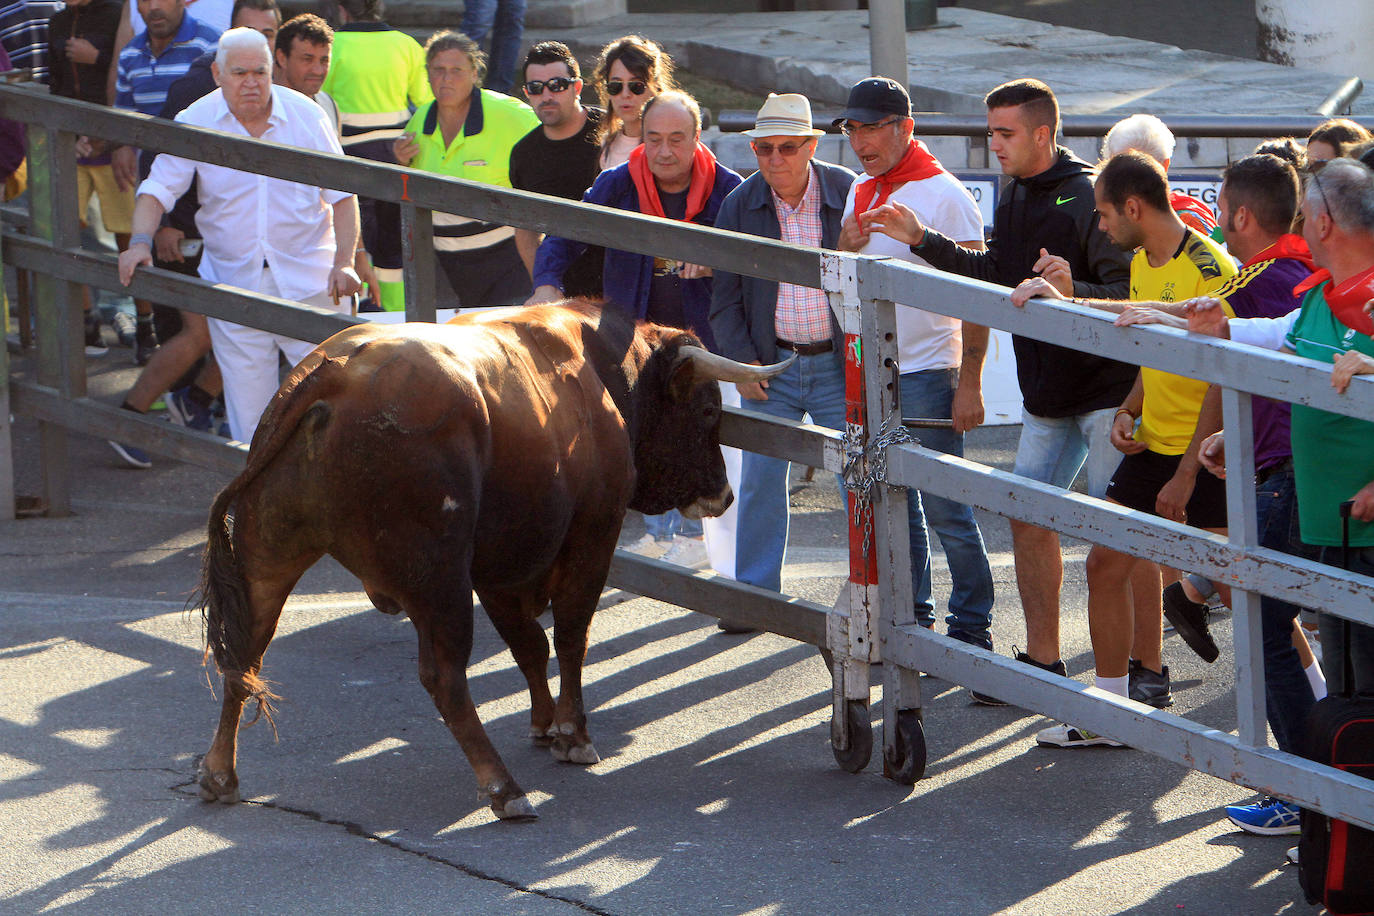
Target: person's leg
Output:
{"points": [[1331, 627], [248, 360], [1287, 695], [1147, 638], [931, 394], [478, 18], [507, 33], [170, 362], [761, 543], [1110, 613], [1050, 450]]}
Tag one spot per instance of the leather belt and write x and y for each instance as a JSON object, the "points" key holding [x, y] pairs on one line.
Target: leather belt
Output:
{"points": [[1263, 475], [815, 348]]}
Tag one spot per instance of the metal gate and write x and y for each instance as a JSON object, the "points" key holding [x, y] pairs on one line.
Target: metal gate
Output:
{"points": [[873, 618]]}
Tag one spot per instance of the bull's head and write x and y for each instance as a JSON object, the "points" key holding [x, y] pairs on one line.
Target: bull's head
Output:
{"points": [[677, 456]]}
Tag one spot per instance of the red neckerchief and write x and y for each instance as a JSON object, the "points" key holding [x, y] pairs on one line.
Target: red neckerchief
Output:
{"points": [[916, 164], [698, 193], [1287, 246], [1346, 300]]}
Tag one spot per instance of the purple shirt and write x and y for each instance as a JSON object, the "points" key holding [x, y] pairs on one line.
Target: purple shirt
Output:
{"points": [[1264, 289]]}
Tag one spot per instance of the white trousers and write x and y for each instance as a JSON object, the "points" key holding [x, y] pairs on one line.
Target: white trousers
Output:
{"points": [[720, 532], [247, 359]]}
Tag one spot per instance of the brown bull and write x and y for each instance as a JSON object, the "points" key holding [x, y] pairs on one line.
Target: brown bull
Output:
{"points": [[497, 453]]}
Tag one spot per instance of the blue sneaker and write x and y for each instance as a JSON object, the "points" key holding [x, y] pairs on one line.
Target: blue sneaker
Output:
{"points": [[134, 457], [185, 412], [1267, 817]]}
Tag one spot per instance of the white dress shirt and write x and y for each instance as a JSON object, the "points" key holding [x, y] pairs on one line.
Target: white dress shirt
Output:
{"points": [[245, 218]]}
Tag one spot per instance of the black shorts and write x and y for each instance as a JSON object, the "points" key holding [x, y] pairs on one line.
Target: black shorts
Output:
{"points": [[1140, 477]]}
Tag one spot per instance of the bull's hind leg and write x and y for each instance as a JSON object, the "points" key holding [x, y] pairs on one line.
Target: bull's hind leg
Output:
{"points": [[572, 618], [516, 619], [445, 638], [218, 777]]}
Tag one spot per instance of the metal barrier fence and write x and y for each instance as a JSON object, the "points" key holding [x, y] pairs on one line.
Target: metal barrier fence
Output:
{"points": [[873, 618]]}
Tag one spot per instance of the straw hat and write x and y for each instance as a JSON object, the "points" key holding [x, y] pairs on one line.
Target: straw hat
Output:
{"points": [[787, 115]]}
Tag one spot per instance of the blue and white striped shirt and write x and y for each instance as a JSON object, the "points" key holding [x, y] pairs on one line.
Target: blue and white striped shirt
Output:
{"points": [[143, 79]]}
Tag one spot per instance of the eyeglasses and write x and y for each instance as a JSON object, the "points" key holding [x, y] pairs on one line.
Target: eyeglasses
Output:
{"points": [[1325, 203], [787, 150], [557, 84], [866, 130], [637, 87]]}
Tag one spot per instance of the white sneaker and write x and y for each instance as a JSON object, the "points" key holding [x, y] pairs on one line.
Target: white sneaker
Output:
{"points": [[689, 552], [648, 546], [1068, 736]]}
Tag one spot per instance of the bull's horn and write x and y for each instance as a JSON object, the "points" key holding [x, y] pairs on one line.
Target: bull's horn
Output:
{"points": [[722, 368]]}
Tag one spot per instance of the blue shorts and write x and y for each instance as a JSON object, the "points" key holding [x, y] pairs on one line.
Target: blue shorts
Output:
{"points": [[1054, 449]]}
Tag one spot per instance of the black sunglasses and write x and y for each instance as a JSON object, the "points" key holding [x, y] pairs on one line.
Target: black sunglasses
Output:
{"points": [[637, 87], [557, 84]]}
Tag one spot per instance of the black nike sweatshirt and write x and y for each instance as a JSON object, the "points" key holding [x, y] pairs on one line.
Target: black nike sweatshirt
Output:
{"points": [[1053, 210]]}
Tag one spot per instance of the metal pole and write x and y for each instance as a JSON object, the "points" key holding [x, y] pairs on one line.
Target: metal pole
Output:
{"points": [[61, 345], [7, 504], [417, 261], [1242, 530], [887, 39]]}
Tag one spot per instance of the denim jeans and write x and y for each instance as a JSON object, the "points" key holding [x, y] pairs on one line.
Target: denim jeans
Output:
{"points": [[1287, 694], [498, 26], [930, 393], [667, 524], [812, 385], [1361, 636], [1054, 449]]}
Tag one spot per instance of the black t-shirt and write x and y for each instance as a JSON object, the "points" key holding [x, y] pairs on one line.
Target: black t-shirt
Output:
{"points": [[665, 290], [564, 168]]}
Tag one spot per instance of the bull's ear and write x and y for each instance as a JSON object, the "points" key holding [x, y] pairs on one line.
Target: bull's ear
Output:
{"points": [[681, 378]]}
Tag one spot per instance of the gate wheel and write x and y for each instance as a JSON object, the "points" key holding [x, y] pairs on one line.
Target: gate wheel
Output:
{"points": [[906, 761], [860, 734]]}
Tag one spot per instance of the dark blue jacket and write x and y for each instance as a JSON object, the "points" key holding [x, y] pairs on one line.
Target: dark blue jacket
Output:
{"points": [[628, 276], [743, 308]]}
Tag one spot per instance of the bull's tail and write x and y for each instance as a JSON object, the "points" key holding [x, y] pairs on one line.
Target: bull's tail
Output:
{"points": [[223, 597]]}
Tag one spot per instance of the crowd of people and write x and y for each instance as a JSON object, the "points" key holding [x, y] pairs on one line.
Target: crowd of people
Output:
{"points": [[1289, 264]]}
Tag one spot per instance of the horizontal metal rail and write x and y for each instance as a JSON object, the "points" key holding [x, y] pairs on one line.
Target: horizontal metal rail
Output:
{"points": [[1163, 734], [594, 224], [1259, 569], [939, 124]]}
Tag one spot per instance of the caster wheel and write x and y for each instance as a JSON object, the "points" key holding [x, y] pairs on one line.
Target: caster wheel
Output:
{"points": [[860, 734], [906, 761]]}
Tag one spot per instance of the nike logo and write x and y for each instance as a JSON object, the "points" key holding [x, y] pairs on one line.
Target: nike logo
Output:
{"points": [[1063, 200]]}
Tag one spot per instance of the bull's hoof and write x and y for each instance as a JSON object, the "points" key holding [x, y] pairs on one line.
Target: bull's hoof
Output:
{"points": [[542, 737], [218, 788], [515, 809], [584, 754]]}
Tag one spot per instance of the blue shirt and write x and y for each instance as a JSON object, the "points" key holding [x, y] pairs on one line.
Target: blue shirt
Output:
{"points": [[144, 79], [628, 276]]}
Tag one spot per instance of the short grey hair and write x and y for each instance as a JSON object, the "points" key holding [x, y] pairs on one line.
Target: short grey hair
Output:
{"points": [[242, 39], [1142, 132], [1347, 189]]}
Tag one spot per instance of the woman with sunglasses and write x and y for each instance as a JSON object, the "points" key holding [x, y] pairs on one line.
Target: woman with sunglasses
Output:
{"points": [[468, 132], [630, 71]]}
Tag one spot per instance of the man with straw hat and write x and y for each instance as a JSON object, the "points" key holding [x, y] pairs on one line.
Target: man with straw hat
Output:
{"points": [[799, 200]]}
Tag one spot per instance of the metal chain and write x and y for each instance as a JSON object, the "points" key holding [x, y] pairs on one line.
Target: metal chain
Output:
{"points": [[860, 485]]}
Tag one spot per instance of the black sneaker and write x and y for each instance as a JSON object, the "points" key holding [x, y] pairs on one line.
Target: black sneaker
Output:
{"points": [[1190, 622], [1057, 668], [95, 344], [145, 341], [1148, 687]]}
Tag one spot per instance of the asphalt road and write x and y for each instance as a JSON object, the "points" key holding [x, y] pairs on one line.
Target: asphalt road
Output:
{"points": [[717, 791]]}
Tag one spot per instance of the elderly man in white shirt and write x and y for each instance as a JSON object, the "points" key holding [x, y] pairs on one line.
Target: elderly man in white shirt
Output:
{"points": [[263, 234]]}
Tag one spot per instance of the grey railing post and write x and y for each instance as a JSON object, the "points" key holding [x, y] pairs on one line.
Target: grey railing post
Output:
{"points": [[904, 753], [7, 505], [1242, 530], [417, 260], [57, 311]]}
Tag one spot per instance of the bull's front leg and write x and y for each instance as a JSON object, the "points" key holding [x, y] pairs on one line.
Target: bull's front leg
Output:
{"points": [[445, 642]]}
